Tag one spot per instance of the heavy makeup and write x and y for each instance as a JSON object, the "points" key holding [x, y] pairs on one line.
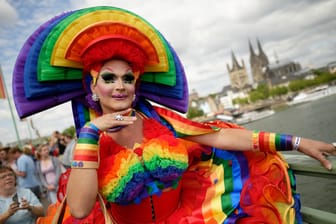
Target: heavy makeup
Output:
{"points": [[115, 86]]}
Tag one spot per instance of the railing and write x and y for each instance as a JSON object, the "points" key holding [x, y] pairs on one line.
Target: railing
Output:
{"points": [[304, 165]]}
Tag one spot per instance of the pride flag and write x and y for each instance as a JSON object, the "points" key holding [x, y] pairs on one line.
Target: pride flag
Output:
{"points": [[2, 86]]}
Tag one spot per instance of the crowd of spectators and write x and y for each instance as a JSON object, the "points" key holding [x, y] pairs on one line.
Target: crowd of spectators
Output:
{"points": [[30, 174]]}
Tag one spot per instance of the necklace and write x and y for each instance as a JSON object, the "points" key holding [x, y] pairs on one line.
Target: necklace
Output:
{"points": [[119, 127]]}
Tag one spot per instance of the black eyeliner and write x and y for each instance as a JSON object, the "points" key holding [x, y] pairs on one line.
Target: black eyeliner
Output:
{"points": [[108, 77]]}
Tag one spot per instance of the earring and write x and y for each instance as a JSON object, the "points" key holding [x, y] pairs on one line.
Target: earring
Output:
{"points": [[95, 97], [134, 97]]}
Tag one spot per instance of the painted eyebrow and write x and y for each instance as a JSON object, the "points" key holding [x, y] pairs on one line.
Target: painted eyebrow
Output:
{"points": [[112, 73]]}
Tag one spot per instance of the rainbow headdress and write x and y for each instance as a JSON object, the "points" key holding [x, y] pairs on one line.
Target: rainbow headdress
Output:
{"points": [[49, 67]]}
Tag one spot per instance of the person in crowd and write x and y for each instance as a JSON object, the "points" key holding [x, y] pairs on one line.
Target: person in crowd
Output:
{"points": [[53, 144], [49, 169], [4, 155], [153, 165], [13, 155], [33, 149], [26, 171], [57, 144], [17, 205], [68, 152]]}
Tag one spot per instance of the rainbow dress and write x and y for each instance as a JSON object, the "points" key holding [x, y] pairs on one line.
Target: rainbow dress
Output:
{"points": [[166, 179]]}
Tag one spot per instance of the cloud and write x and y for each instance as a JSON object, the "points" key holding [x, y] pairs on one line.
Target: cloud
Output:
{"points": [[4, 112], [8, 14]]}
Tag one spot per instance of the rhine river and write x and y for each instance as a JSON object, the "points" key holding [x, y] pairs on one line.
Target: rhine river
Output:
{"points": [[316, 120]]}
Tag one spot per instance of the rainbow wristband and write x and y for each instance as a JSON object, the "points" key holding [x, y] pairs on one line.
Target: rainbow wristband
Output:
{"points": [[271, 142], [255, 141], [86, 155]]}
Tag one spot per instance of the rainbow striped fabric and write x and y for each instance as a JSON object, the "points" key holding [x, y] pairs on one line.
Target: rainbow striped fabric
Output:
{"points": [[128, 176], [244, 187], [48, 70], [218, 186]]}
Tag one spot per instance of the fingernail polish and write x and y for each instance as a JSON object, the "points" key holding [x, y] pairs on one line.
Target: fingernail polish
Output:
{"points": [[329, 166]]}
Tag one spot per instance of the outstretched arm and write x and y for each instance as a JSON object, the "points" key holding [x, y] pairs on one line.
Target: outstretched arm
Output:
{"points": [[241, 139]]}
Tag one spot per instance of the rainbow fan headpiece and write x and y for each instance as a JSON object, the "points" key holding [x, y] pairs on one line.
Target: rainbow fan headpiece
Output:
{"points": [[50, 66]]}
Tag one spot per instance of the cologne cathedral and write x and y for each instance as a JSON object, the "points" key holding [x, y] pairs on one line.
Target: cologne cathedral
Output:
{"points": [[262, 70]]}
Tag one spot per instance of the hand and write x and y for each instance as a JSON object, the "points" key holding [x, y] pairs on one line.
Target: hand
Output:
{"points": [[24, 204], [13, 207], [318, 150], [107, 121], [51, 187]]}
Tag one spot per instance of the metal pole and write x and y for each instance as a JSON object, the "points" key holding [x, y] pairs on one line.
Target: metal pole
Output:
{"points": [[11, 110], [29, 131]]}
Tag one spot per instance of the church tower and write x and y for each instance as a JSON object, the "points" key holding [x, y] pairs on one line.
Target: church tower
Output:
{"points": [[259, 63], [238, 74]]}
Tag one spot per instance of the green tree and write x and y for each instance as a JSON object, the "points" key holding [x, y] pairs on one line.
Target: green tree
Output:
{"points": [[279, 91], [240, 101], [260, 93], [70, 131], [194, 112]]}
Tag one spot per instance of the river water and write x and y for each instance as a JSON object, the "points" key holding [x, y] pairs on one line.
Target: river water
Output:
{"points": [[316, 120]]}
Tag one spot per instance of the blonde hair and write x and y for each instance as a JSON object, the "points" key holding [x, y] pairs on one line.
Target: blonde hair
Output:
{"points": [[39, 149], [27, 149]]}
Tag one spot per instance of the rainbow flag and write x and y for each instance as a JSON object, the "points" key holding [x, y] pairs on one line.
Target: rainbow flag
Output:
{"points": [[2, 86]]}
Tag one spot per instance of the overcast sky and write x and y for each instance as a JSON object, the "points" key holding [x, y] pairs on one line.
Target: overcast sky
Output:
{"points": [[202, 32]]}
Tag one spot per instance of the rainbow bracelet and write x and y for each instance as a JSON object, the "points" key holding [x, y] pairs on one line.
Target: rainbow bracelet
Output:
{"points": [[271, 142], [86, 155]]}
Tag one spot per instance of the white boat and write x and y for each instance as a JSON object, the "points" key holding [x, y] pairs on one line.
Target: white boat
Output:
{"points": [[253, 116], [225, 117], [315, 94]]}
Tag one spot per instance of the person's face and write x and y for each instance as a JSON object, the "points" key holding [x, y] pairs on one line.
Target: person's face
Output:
{"points": [[115, 86], [3, 155], [44, 151], [7, 180], [11, 156]]}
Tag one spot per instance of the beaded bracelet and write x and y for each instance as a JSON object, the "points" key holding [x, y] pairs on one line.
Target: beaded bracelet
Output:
{"points": [[271, 142], [86, 155]]}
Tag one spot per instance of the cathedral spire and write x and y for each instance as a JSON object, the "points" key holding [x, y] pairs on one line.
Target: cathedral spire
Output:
{"points": [[251, 48], [276, 57], [259, 47], [235, 64], [262, 53], [238, 74]]}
